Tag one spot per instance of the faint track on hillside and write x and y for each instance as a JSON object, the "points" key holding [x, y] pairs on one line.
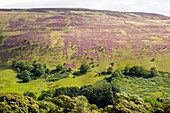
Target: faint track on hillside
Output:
{"points": [[42, 85]]}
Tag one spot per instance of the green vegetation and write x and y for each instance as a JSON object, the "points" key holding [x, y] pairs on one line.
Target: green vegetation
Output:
{"points": [[30, 94], [122, 103], [84, 68], [108, 72], [139, 71], [29, 71], [127, 103], [105, 94], [62, 68], [59, 72], [14, 103], [100, 93]]}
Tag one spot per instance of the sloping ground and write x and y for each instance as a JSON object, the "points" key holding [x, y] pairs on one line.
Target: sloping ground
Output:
{"points": [[75, 35]]}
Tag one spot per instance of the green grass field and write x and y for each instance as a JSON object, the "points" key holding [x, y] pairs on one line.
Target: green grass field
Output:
{"points": [[9, 83]]}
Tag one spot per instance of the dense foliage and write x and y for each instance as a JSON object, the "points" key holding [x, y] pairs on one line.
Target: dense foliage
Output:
{"points": [[14, 103], [123, 103], [59, 72], [101, 93], [139, 71], [28, 71], [104, 94], [84, 68]]}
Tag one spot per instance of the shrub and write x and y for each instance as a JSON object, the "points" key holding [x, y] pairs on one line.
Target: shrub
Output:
{"points": [[153, 72], [25, 76], [69, 91], [30, 94], [103, 73], [57, 76], [109, 70], [117, 74], [154, 103], [84, 68]]}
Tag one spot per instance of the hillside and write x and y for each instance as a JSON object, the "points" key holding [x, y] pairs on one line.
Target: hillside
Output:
{"points": [[82, 60], [73, 36]]}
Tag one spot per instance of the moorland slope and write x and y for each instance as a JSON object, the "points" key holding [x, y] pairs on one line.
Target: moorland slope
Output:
{"points": [[73, 36]]}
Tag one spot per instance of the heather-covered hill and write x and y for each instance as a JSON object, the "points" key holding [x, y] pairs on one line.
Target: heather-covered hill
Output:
{"points": [[74, 35]]}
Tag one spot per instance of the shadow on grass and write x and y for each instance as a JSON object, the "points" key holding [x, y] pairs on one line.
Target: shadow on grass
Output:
{"points": [[21, 82]]}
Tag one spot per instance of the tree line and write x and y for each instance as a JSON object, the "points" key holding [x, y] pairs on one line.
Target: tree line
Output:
{"points": [[123, 103], [30, 71]]}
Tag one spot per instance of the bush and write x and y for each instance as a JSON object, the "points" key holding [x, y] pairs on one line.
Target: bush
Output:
{"points": [[117, 74], [126, 70], [77, 73], [103, 73], [58, 68], [30, 94], [25, 76], [45, 94], [69, 91], [154, 103], [109, 70], [57, 76], [153, 72], [84, 68]]}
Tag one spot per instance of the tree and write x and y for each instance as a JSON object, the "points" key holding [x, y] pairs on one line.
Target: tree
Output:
{"points": [[136, 71], [38, 72], [21, 65], [59, 67], [117, 74], [25, 76], [127, 103], [126, 70], [29, 67], [69, 91], [84, 68], [153, 72], [14, 63], [15, 103], [45, 94], [101, 93], [154, 103], [109, 70], [30, 94]]}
